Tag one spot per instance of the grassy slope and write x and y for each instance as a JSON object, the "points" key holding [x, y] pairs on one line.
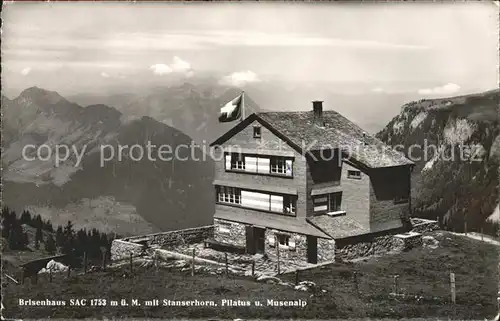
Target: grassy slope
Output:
{"points": [[423, 272]]}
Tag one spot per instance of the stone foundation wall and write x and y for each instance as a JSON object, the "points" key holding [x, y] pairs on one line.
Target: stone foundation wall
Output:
{"points": [[326, 250], [174, 238], [121, 249], [376, 246], [298, 255], [229, 232]]}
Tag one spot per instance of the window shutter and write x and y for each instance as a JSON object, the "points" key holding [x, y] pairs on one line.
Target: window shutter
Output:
{"points": [[228, 161], [277, 203], [250, 164], [263, 165], [320, 203], [291, 244], [255, 200]]}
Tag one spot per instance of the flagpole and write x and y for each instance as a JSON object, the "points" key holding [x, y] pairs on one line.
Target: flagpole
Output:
{"points": [[242, 105]]}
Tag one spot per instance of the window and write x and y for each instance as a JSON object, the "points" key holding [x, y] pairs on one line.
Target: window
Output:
{"points": [[280, 204], [237, 161], [289, 204], [224, 227], [334, 201], [280, 165], [259, 164], [256, 132], [328, 202], [230, 195], [354, 174], [283, 239]]}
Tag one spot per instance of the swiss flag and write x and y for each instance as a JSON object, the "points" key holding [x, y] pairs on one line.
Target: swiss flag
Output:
{"points": [[231, 111]]}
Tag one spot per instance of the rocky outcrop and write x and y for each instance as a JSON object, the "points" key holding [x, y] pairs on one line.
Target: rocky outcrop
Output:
{"points": [[455, 145]]}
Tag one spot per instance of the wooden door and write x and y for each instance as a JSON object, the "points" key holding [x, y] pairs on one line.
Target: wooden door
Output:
{"points": [[260, 240], [250, 244], [312, 249]]}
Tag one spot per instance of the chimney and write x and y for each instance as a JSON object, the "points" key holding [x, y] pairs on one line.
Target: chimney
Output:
{"points": [[318, 113]]}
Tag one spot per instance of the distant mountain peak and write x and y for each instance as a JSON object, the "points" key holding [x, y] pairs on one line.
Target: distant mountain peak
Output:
{"points": [[39, 94]]}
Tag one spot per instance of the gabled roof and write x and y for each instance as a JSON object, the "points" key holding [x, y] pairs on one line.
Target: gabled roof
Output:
{"points": [[299, 131], [278, 222], [339, 227]]}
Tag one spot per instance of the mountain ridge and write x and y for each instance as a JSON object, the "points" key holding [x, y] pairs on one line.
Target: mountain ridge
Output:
{"points": [[457, 182], [156, 190]]}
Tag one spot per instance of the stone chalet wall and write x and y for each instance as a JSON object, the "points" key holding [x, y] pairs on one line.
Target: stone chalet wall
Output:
{"points": [[137, 245], [234, 233], [298, 255], [229, 232], [326, 250]]}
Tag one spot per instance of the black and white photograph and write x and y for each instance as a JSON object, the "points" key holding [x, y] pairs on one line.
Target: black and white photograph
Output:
{"points": [[250, 160]]}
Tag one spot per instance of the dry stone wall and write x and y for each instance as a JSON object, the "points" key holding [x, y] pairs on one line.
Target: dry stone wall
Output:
{"points": [[138, 245], [326, 250], [408, 241], [376, 246], [424, 226], [121, 249], [174, 238]]}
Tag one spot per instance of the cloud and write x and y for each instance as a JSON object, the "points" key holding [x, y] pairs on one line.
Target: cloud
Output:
{"points": [[447, 89], [160, 69], [240, 78], [180, 65], [104, 75], [26, 71], [177, 66], [260, 39], [121, 42]]}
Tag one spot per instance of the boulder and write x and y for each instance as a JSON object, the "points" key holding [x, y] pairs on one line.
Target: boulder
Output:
{"points": [[430, 242], [54, 266]]}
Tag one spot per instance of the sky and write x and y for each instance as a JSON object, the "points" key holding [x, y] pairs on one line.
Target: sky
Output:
{"points": [[431, 49]]}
